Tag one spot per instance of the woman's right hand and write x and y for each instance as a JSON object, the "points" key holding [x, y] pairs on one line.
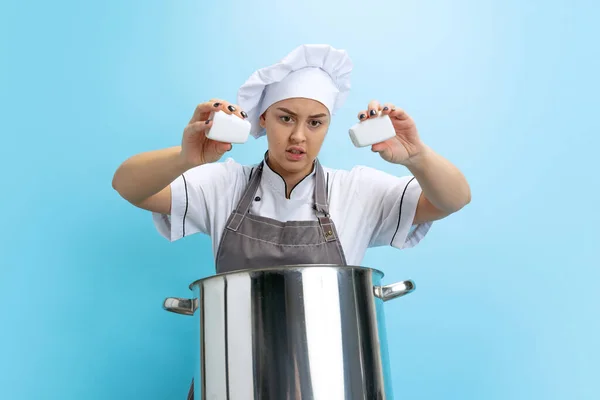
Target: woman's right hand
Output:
{"points": [[196, 148]]}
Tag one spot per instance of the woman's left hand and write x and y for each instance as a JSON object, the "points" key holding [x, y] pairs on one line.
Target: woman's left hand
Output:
{"points": [[406, 145]]}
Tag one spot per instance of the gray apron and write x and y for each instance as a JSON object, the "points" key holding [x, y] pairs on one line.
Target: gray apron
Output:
{"points": [[251, 241]]}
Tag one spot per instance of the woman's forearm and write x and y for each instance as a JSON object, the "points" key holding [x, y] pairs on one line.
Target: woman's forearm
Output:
{"points": [[146, 174], [442, 183]]}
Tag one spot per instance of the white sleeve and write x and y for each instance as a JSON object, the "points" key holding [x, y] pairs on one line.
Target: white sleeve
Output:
{"points": [[192, 195], [390, 204]]}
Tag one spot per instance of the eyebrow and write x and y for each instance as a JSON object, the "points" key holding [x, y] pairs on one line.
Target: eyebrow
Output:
{"points": [[295, 115]]}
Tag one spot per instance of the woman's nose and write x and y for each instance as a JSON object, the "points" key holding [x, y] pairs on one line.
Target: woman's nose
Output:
{"points": [[298, 134]]}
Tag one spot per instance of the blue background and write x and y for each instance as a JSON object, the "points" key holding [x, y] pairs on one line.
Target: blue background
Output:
{"points": [[507, 303]]}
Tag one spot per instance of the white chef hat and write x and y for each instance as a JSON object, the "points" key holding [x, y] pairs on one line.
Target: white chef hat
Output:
{"points": [[314, 71]]}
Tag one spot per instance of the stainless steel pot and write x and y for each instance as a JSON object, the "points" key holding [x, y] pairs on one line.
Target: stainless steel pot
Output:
{"points": [[293, 332]]}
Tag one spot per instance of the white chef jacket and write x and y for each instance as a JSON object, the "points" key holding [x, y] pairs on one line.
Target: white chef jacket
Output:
{"points": [[369, 208]]}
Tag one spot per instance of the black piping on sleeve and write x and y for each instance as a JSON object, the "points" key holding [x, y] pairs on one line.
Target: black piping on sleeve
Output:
{"points": [[186, 203], [400, 211]]}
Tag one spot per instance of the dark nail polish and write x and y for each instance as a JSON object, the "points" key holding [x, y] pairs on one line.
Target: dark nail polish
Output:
{"points": [[244, 114], [231, 108], [216, 104], [207, 121], [362, 116], [372, 112], [385, 108]]}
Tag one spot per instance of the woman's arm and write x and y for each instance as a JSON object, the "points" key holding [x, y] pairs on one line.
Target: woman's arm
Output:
{"points": [[445, 189], [144, 179]]}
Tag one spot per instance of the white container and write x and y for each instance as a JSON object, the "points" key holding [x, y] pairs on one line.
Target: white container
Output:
{"points": [[373, 130], [228, 128]]}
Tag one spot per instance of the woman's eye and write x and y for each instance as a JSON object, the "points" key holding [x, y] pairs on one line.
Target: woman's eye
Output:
{"points": [[315, 123], [285, 118]]}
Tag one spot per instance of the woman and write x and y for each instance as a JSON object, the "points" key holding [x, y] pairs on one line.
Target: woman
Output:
{"points": [[288, 209]]}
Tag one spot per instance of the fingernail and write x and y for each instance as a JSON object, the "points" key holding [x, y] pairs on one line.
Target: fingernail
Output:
{"points": [[244, 114], [231, 108], [207, 121], [362, 116], [216, 104], [372, 112], [385, 108]]}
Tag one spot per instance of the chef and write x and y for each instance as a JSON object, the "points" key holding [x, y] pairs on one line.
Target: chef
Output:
{"points": [[288, 208]]}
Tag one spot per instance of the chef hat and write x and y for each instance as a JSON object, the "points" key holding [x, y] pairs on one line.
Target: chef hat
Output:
{"points": [[317, 72]]}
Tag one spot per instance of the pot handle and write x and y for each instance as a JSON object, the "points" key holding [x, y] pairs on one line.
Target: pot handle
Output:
{"points": [[180, 306], [394, 290]]}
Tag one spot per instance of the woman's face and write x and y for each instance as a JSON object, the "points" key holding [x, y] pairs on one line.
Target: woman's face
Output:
{"points": [[295, 129]]}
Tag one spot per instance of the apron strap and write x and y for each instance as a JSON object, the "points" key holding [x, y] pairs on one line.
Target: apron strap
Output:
{"points": [[321, 206], [320, 190], [244, 204]]}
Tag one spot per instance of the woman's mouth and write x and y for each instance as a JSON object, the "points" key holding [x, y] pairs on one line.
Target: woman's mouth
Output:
{"points": [[295, 154]]}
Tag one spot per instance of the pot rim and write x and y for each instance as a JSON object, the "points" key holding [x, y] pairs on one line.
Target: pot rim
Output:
{"points": [[287, 268]]}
